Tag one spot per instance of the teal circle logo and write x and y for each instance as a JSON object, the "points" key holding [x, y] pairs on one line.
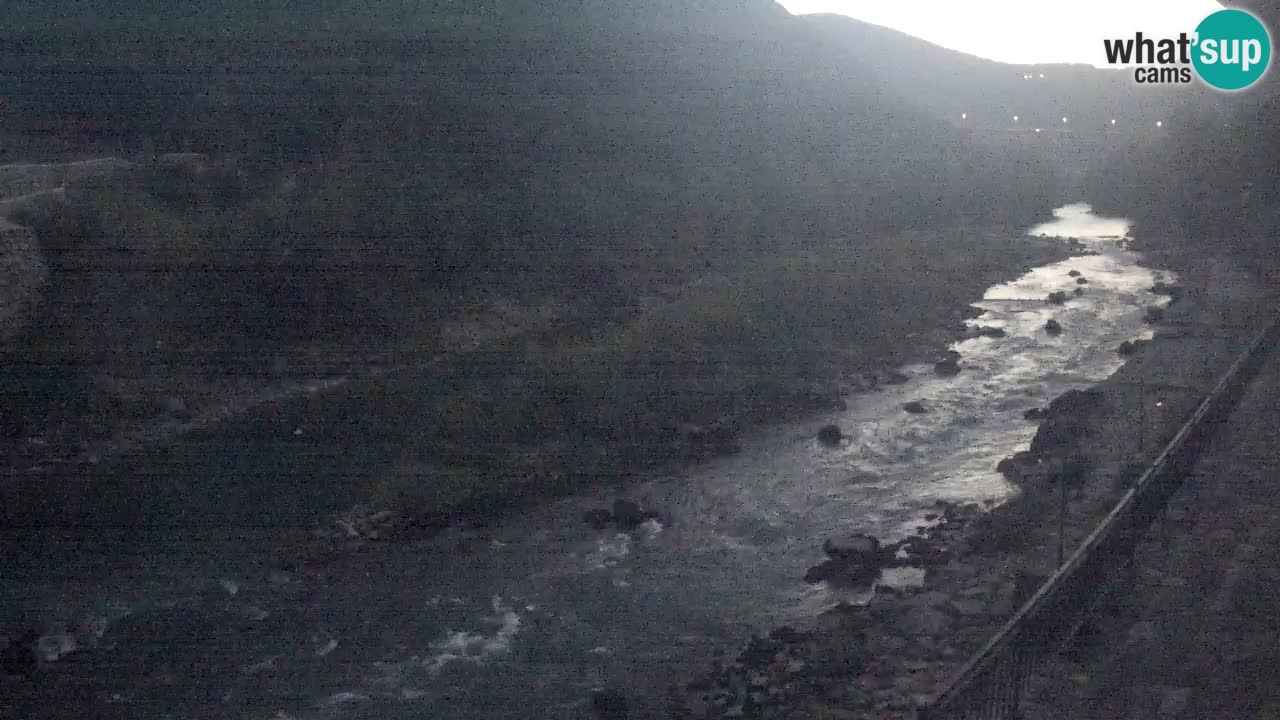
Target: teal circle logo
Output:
{"points": [[1233, 50]]}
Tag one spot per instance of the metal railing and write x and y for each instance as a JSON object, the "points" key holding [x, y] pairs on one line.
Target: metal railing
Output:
{"points": [[991, 683]]}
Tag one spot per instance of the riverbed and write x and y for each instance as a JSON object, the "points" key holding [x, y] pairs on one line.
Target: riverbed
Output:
{"points": [[524, 618]]}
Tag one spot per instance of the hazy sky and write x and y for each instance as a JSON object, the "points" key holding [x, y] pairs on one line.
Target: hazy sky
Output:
{"points": [[1022, 31]]}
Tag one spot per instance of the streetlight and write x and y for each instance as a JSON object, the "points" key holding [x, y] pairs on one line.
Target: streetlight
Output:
{"points": [[1064, 121], [1113, 121], [1037, 129], [1041, 75], [1015, 118], [964, 116], [1159, 123]]}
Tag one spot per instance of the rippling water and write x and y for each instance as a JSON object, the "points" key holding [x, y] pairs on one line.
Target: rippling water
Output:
{"points": [[524, 622]]}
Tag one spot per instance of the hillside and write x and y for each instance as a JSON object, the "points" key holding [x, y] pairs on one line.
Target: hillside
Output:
{"points": [[701, 210], [990, 93], [1210, 185]]}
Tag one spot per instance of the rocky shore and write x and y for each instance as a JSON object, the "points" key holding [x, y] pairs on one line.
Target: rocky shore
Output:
{"points": [[882, 659]]}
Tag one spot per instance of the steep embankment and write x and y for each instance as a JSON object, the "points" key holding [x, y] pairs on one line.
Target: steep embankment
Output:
{"points": [[699, 215]]}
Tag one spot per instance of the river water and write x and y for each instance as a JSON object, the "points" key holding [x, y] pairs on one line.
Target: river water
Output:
{"points": [[524, 620]]}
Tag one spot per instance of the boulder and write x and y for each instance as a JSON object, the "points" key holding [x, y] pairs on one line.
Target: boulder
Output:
{"points": [[1161, 288], [1074, 273], [856, 547], [915, 407], [628, 515], [991, 332], [1153, 315], [842, 572], [854, 560], [1058, 297], [1128, 347], [1053, 327], [1078, 402], [947, 368], [896, 378], [1078, 292], [970, 312], [1082, 281], [1035, 414], [830, 435]]}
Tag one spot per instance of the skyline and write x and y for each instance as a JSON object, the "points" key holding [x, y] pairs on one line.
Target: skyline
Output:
{"points": [[1004, 30]]}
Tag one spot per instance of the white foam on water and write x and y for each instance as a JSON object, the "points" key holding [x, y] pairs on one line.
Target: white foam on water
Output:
{"points": [[902, 577], [55, 645], [609, 551], [651, 528], [462, 646], [346, 698]]}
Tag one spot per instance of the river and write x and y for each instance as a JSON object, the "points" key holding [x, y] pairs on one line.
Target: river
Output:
{"points": [[523, 619]]}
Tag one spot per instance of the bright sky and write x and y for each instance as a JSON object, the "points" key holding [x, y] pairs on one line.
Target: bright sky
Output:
{"points": [[1022, 31]]}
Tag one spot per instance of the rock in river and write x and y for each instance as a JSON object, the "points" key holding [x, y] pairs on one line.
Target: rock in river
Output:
{"points": [[628, 514], [1074, 273], [1082, 281], [991, 332], [915, 407], [830, 435], [841, 572], [1053, 327], [1129, 347], [854, 560], [852, 547], [947, 368], [1057, 297]]}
